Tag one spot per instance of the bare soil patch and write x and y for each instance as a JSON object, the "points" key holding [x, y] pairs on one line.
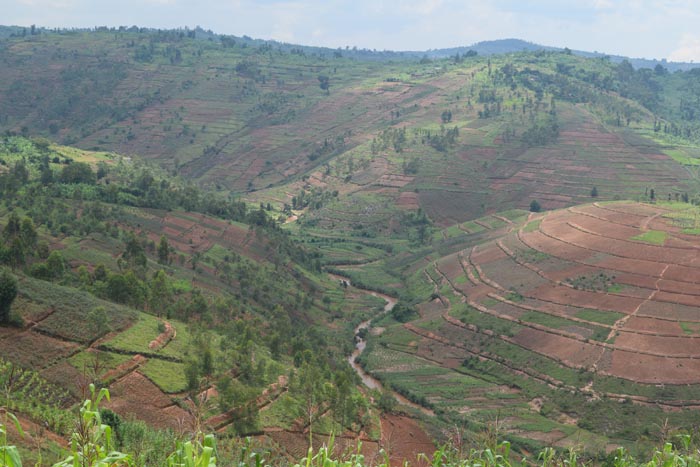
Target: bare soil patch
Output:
{"points": [[136, 396], [404, 439]]}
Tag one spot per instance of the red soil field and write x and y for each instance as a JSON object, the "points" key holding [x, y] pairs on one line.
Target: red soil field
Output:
{"points": [[590, 265], [137, 396], [574, 353]]}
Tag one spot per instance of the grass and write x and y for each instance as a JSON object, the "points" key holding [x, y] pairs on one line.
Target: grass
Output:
{"points": [[690, 328], [137, 337], [603, 317], [655, 237], [531, 256], [168, 376], [532, 225], [680, 156], [280, 413], [544, 319]]}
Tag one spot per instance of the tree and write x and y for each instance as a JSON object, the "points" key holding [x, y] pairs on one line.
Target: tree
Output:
{"points": [[134, 252], [12, 228], [78, 172], [97, 317], [227, 393], [160, 293], [100, 273], [403, 313], [535, 206], [20, 240], [126, 289], [163, 250], [8, 292], [192, 375], [117, 288], [309, 388], [194, 260], [55, 265], [324, 83], [594, 192], [387, 402], [14, 254], [28, 233], [198, 305]]}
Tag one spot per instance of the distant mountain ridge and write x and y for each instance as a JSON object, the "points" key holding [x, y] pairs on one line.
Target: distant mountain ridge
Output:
{"points": [[491, 47], [505, 46]]}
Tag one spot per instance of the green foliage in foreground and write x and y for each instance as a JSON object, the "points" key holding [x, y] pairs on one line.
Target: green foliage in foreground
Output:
{"points": [[92, 446]]}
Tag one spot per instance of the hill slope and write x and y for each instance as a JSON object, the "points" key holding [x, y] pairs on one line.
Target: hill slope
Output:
{"points": [[554, 322], [243, 116]]}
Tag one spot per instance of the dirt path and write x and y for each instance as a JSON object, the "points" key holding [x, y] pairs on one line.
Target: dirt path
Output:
{"points": [[33, 324], [620, 323], [645, 223], [163, 338], [124, 369]]}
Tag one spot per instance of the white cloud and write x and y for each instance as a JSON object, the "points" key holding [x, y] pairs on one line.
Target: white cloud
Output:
{"points": [[422, 7], [602, 4], [687, 51], [60, 4]]}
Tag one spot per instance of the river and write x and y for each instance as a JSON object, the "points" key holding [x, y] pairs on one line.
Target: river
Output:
{"points": [[360, 344]]}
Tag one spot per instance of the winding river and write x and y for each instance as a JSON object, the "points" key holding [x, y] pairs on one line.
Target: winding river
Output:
{"points": [[360, 344]]}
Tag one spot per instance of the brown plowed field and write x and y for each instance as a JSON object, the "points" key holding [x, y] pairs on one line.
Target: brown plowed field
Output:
{"points": [[594, 287], [137, 396], [574, 353]]}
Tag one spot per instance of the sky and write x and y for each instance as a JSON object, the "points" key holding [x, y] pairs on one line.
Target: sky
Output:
{"points": [[634, 28]]}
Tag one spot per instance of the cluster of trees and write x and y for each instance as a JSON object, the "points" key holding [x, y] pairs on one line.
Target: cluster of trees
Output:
{"points": [[126, 185], [327, 148], [389, 138], [543, 130], [441, 140], [314, 198]]}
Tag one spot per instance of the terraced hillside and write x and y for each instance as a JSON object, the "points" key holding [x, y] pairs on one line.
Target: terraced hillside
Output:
{"points": [[458, 138], [188, 317], [596, 303]]}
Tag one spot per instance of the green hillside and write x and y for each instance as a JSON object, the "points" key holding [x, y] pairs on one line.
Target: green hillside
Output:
{"points": [[200, 223], [136, 281]]}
